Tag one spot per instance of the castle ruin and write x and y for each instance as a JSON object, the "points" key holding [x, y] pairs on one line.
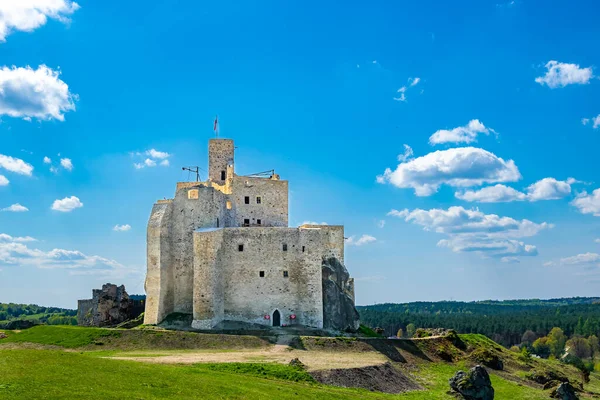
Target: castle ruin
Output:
{"points": [[222, 251]]}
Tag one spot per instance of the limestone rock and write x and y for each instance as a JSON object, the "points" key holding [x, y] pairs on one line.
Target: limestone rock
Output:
{"points": [[297, 363], [473, 385], [3, 335], [564, 391], [108, 306], [339, 312]]}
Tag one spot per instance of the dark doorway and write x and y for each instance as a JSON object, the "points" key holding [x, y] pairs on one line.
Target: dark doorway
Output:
{"points": [[276, 318]]}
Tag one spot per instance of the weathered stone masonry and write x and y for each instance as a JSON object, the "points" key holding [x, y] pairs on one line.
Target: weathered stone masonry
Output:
{"points": [[222, 251]]}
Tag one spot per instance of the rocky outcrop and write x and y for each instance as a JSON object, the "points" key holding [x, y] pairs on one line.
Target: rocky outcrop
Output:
{"points": [[339, 312], [473, 385], [565, 391], [108, 306]]}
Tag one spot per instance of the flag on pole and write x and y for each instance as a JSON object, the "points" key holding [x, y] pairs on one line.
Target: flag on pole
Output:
{"points": [[216, 125]]}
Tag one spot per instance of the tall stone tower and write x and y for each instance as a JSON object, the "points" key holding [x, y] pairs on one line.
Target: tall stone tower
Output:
{"points": [[220, 159]]}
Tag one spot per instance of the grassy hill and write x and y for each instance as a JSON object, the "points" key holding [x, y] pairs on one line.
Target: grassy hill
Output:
{"points": [[80, 363], [503, 321], [38, 314]]}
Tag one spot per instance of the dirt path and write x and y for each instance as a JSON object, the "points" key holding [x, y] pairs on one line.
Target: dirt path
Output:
{"points": [[280, 352]]}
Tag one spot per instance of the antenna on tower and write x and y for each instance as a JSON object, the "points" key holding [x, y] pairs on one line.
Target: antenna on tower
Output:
{"points": [[195, 170]]}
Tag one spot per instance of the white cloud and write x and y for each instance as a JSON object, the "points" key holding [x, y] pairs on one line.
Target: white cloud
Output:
{"points": [[562, 74], [155, 158], [402, 91], [595, 121], [414, 82], [544, 189], [25, 92], [408, 153], [313, 223], [14, 251], [588, 203], [47, 160], [67, 164], [364, 239], [457, 167], [28, 15], [7, 238], [381, 223], [462, 134], [122, 228], [157, 154], [3, 181], [579, 259], [67, 204], [15, 165], [15, 208], [492, 194], [474, 231], [597, 240]]}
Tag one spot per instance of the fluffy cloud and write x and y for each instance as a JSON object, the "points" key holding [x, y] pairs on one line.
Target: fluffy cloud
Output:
{"points": [[595, 121], [458, 167], [474, 231], [155, 158], [14, 251], [47, 160], [3, 181], [562, 74], [157, 154], [414, 81], [408, 153], [579, 259], [122, 228], [588, 203], [544, 189], [67, 204], [29, 93], [15, 208], [28, 15], [364, 239], [462, 134], [15, 165], [313, 223], [67, 164]]}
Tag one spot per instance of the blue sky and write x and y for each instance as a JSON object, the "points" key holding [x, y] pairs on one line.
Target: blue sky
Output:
{"points": [[498, 102]]}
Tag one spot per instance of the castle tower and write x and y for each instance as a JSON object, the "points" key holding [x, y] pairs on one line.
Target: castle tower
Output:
{"points": [[220, 159]]}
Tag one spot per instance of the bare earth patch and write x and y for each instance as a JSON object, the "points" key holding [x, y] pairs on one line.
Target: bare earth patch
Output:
{"points": [[278, 353]]}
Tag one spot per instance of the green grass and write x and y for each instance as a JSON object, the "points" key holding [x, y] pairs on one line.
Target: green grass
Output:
{"points": [[434, 377], [64, 336], [49, 374], [272, 371]]}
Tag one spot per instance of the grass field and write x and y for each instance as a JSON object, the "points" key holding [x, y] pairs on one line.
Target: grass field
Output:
{"points": [[67, 363]]}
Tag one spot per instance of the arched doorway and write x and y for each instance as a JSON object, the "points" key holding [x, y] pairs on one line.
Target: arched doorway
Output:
{"points": [[276, 318]]}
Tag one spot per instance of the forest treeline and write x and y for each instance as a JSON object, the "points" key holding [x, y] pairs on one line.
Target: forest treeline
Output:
{"points": [[35, 313], [503, 321]]}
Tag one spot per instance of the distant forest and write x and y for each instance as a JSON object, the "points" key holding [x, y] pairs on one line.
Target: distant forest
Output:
{"points": [[39, 314], [503, 321]]}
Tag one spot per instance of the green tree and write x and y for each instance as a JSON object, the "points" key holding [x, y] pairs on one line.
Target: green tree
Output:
{"points": [[579, 347], [557, 341], [400, 333], [411, 329], [528, 338], [594, 345], [541, 347]]}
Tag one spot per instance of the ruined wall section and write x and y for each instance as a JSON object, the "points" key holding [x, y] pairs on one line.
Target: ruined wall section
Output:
{"points": [[220, 157], [159, 276], [195, 206], [248, 297], [273, 207]]}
